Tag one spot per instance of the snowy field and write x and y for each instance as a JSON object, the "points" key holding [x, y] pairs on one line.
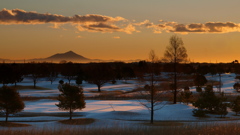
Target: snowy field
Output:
{"points": [[106, 112]]}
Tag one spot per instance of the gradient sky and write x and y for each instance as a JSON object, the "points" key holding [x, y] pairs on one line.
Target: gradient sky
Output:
{"points": [[119, 29]]}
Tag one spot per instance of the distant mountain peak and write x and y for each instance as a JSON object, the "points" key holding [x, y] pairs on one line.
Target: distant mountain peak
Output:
{"points": [[69, 52], [68, 56]]}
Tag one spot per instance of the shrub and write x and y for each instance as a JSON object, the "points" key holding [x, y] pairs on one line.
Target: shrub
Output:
{"points": [[198, 89], [236, 86], [199, 113]]}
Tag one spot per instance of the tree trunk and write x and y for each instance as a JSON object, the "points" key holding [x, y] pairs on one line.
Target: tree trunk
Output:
{"points": [[7, 114], [152, 97], [70, 112], [220, 81], [69, 80], [152, 114], [34, 81], [99, 88], [175, 83]]}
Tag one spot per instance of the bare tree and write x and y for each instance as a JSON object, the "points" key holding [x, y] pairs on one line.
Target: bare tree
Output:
{"points": [[175, 53], [151, 94]]}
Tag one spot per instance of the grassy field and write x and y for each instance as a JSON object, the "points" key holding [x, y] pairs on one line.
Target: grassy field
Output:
{"points": [[175, 129]]}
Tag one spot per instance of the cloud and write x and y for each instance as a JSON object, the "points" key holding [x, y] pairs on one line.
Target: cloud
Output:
{"points": [[18, 16], [79, 36], [90, 22], [116, 37], [209, 27], [101, 27], [107, 24]]}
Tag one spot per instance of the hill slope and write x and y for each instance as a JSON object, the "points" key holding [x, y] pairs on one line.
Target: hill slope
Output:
{"points": [[68, 56]]}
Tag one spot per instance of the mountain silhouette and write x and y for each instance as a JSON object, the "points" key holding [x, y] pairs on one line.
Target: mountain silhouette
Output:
{"points": [[68, 56], [59, 57]]}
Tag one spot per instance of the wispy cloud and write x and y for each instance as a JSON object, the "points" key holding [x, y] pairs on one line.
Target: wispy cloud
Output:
{"points": [[79, 36], [116, 37]]}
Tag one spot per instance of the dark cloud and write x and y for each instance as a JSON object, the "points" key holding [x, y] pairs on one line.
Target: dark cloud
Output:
{"points": [[101, 23], [90, 22], [18, 16], [209, 27], [101, 27], [220, 27]]}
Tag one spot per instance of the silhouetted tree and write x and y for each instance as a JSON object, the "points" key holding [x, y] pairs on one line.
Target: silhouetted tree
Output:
{"points": [[151, 93], [188, 69], [17, 73], [10, 101], [80, 77], [98, 74], [127, 73], [6, 74], [210, 102], [186, 97], [175, 53], [220, 71], [69, 71], [51, 72], [36, 71], [212, 69], [71, 98], [235, 106], [10, 73], [199, 81]]}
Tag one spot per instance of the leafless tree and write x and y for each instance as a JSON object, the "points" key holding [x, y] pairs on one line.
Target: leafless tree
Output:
{"points": [[151, 94]]}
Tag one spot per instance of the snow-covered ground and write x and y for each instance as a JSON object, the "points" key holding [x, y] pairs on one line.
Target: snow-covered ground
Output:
{"points": [[107, 112]]}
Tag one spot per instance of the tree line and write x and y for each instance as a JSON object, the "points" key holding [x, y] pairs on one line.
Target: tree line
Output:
{"points": [[99, 73]]}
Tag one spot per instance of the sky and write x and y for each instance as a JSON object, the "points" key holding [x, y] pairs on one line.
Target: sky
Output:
{"points": [[119, 30]]}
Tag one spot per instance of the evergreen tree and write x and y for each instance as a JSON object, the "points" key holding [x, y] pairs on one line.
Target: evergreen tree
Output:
{"points": [[186, 97], [221, 108], [199, 81], [71, 98], [10, 101], [235, 106], [208, 102], [236, 86]]}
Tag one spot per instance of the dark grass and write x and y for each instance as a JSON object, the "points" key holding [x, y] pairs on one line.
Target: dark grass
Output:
{"points": [[33, 114], [80, 121], [164, 124], [187, 129], [12, 124]]}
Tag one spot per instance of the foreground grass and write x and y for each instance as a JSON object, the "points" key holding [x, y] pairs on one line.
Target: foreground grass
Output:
{"points": [[11, 124], [172, 124], [80, 121], [186, 129]]}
